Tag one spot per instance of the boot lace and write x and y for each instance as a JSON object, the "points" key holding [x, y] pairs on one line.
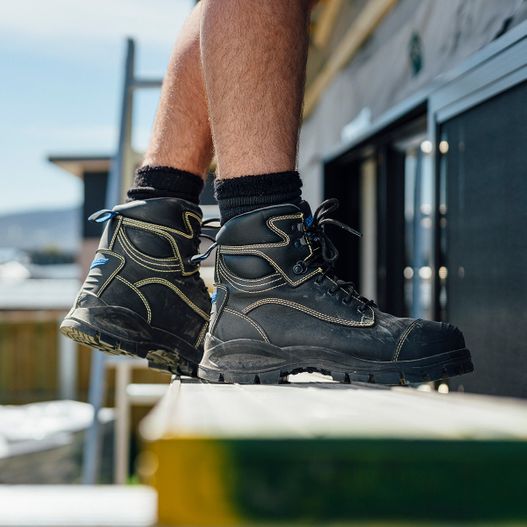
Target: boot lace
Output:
{"points": [[197, 258], [325, 254]]}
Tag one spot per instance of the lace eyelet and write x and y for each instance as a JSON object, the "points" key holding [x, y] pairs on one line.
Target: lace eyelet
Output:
{"points": [[331, 292], [319, 280], [346, 302], [297, 227], [299, 267]]}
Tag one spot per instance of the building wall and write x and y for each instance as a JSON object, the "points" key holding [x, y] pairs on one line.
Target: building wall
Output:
{"points": [[417, 41]]}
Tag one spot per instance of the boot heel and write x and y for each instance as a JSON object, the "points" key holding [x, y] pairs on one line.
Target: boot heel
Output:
{"points": [[242, 361], [162, 354]]}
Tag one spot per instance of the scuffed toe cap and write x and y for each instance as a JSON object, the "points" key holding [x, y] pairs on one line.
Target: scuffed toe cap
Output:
{"points": [[425, 338]]}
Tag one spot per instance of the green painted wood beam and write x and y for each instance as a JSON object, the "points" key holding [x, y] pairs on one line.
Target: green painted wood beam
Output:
{"points": [[305, 481]]}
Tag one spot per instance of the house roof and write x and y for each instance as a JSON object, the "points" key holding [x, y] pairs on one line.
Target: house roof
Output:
{"points": [[78, 165], [37, 294]]}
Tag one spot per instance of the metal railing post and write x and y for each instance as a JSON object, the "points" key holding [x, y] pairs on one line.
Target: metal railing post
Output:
{"points": [[119, 180]]}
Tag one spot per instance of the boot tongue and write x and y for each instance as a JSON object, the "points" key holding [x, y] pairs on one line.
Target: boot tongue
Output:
{"points": [[306, 210]]}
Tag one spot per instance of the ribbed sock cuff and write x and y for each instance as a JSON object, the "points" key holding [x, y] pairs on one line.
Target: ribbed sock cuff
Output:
{"points": [[165, 182], [243, 194]]}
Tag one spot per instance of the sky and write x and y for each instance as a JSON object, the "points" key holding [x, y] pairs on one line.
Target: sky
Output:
{"points": [[61, 64]]}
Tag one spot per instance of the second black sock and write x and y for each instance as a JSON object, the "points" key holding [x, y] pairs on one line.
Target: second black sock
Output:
{"points": [[243, 194]]}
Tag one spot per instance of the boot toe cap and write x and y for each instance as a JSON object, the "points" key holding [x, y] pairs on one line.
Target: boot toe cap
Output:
{"points": [[426, 338]]}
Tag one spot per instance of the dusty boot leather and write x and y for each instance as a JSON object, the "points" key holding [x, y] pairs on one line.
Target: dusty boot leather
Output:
{"points": [[143, 295], [278, 309]]}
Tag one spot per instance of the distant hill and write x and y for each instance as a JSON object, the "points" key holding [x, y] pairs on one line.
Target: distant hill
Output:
{"points": [[59, 229]]}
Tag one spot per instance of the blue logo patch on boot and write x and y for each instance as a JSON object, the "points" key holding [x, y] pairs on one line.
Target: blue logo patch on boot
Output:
{"points": [[98, 262]]}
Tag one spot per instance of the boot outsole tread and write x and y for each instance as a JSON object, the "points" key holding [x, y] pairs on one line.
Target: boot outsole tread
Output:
{"points": [[159, 359], [395, 376]]}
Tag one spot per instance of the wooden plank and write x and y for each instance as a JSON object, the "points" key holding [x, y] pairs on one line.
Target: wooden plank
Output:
{"points": [[72, 505], [326, 22], [14, 316], [331, 410], [326, 452], [29, 360], [369, 18]]}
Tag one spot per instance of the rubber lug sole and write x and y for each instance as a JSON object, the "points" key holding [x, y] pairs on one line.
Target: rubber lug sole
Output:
{"points": [[164, 360], [254, 362]]}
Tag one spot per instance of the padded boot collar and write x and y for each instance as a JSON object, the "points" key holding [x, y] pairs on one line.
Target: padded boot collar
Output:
{"points": [[169, 212], [274, 233]]}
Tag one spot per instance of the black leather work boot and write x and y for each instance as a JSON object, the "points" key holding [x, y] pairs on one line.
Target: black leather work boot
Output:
{"points": [[143, 296], [278, 309]]}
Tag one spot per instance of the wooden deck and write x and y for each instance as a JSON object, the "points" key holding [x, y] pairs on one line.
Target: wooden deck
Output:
{"points": [[325, 452], [76, 505]]}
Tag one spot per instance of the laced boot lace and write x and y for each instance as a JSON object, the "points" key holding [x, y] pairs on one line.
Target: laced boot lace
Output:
{"points": [[325, 254]]}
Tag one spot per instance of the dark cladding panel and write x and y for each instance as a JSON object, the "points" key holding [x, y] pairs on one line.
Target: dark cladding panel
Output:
{"points": [[94, 200], [486, 234], [341, 180], [390, 231]]}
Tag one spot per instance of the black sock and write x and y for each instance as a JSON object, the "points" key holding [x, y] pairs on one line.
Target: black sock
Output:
{"points": [[165, 182], [243, 194]]}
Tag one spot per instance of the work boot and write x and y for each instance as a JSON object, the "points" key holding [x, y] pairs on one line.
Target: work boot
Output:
{"points": [[143, 295], [278, 309]]}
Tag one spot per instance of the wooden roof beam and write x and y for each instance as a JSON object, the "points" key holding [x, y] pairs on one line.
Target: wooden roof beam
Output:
{"points": [[363, 26], [326, 23]]}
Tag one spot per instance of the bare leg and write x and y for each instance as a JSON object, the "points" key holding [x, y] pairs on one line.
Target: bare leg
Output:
{"points": [[181, 135], [254, 57]]}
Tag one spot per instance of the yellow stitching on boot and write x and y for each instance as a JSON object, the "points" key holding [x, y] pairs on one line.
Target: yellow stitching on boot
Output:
{"points": [[164, 235], [164, 232], [239, 287], [175, 269], [402, 340], [131, 251], [309, 311], [235, 286], [241, 250], [247, 319], [141, 256], [117, 228], [140, 295], [249, 282], [156, 227], [137, 258], [233, 279], [201, 335], [252, 249], [147, 256], [119, 267], [271, 278], [271, 224], [138, 262], [173, 287]]}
